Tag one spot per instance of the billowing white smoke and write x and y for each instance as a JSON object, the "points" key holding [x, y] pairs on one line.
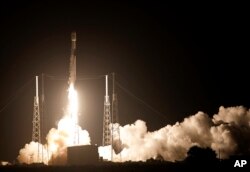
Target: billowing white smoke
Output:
{"points": [[232, 130], [55, 151], [29, 153], [227, 133]]}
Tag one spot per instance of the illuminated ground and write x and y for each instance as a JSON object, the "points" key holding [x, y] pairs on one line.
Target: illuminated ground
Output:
{"points": [[151, 165]]}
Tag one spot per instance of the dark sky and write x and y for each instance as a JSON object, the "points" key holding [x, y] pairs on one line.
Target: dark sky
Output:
{"points": [[178, 58]]}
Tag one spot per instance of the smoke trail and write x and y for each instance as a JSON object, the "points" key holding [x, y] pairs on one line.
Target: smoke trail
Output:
{"points": [[227, 133]]}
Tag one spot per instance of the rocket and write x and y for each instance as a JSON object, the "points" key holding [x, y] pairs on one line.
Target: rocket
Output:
{"points": [[72, 66]]}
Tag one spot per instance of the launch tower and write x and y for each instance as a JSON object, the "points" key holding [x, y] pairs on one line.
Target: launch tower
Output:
{"points": [[106, 117], [36, 136]]}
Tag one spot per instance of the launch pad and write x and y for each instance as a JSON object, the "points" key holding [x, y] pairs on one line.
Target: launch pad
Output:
{"points": [[82, 155]]}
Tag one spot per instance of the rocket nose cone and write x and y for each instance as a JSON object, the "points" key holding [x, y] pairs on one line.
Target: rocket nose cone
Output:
{"points": [[73, 36]]}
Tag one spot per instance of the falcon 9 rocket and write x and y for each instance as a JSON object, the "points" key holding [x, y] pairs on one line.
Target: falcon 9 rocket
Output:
{"points": [[72, 67]]}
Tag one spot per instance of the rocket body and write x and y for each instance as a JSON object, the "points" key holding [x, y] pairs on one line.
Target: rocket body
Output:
{"points": [[72, 67]]}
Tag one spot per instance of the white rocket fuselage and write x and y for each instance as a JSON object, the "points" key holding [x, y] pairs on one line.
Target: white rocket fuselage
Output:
{"points": [[72, 67]]}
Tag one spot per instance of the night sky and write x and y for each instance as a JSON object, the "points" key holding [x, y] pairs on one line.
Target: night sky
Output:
{"points": [[177, 58]]}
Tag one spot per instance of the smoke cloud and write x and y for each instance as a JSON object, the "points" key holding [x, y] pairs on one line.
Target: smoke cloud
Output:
{"points": [[55, 151], [227, 133], [29, 153]]}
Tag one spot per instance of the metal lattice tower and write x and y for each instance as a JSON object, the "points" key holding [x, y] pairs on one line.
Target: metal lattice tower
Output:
{"points": [[106, 139], [36, 136]]}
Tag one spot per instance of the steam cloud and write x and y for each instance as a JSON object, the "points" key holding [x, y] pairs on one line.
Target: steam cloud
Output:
{"points": [[227, 133], [55, 151]]}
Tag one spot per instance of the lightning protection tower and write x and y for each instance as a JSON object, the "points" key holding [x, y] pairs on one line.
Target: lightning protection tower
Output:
{"points": [[36, 117], [36, 136], [106, 116]]}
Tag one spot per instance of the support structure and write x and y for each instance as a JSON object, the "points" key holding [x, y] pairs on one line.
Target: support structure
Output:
{"points": [[36, 135], [106, 139]]}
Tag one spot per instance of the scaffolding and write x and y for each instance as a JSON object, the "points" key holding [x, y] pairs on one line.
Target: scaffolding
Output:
{"points": [[106, 117], [36, 135]]}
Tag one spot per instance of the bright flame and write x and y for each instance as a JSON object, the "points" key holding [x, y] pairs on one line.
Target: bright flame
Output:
{"points": [[73, 104]]}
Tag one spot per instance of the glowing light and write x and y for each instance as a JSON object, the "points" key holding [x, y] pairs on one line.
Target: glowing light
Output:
{"points": [[73, 104]]}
